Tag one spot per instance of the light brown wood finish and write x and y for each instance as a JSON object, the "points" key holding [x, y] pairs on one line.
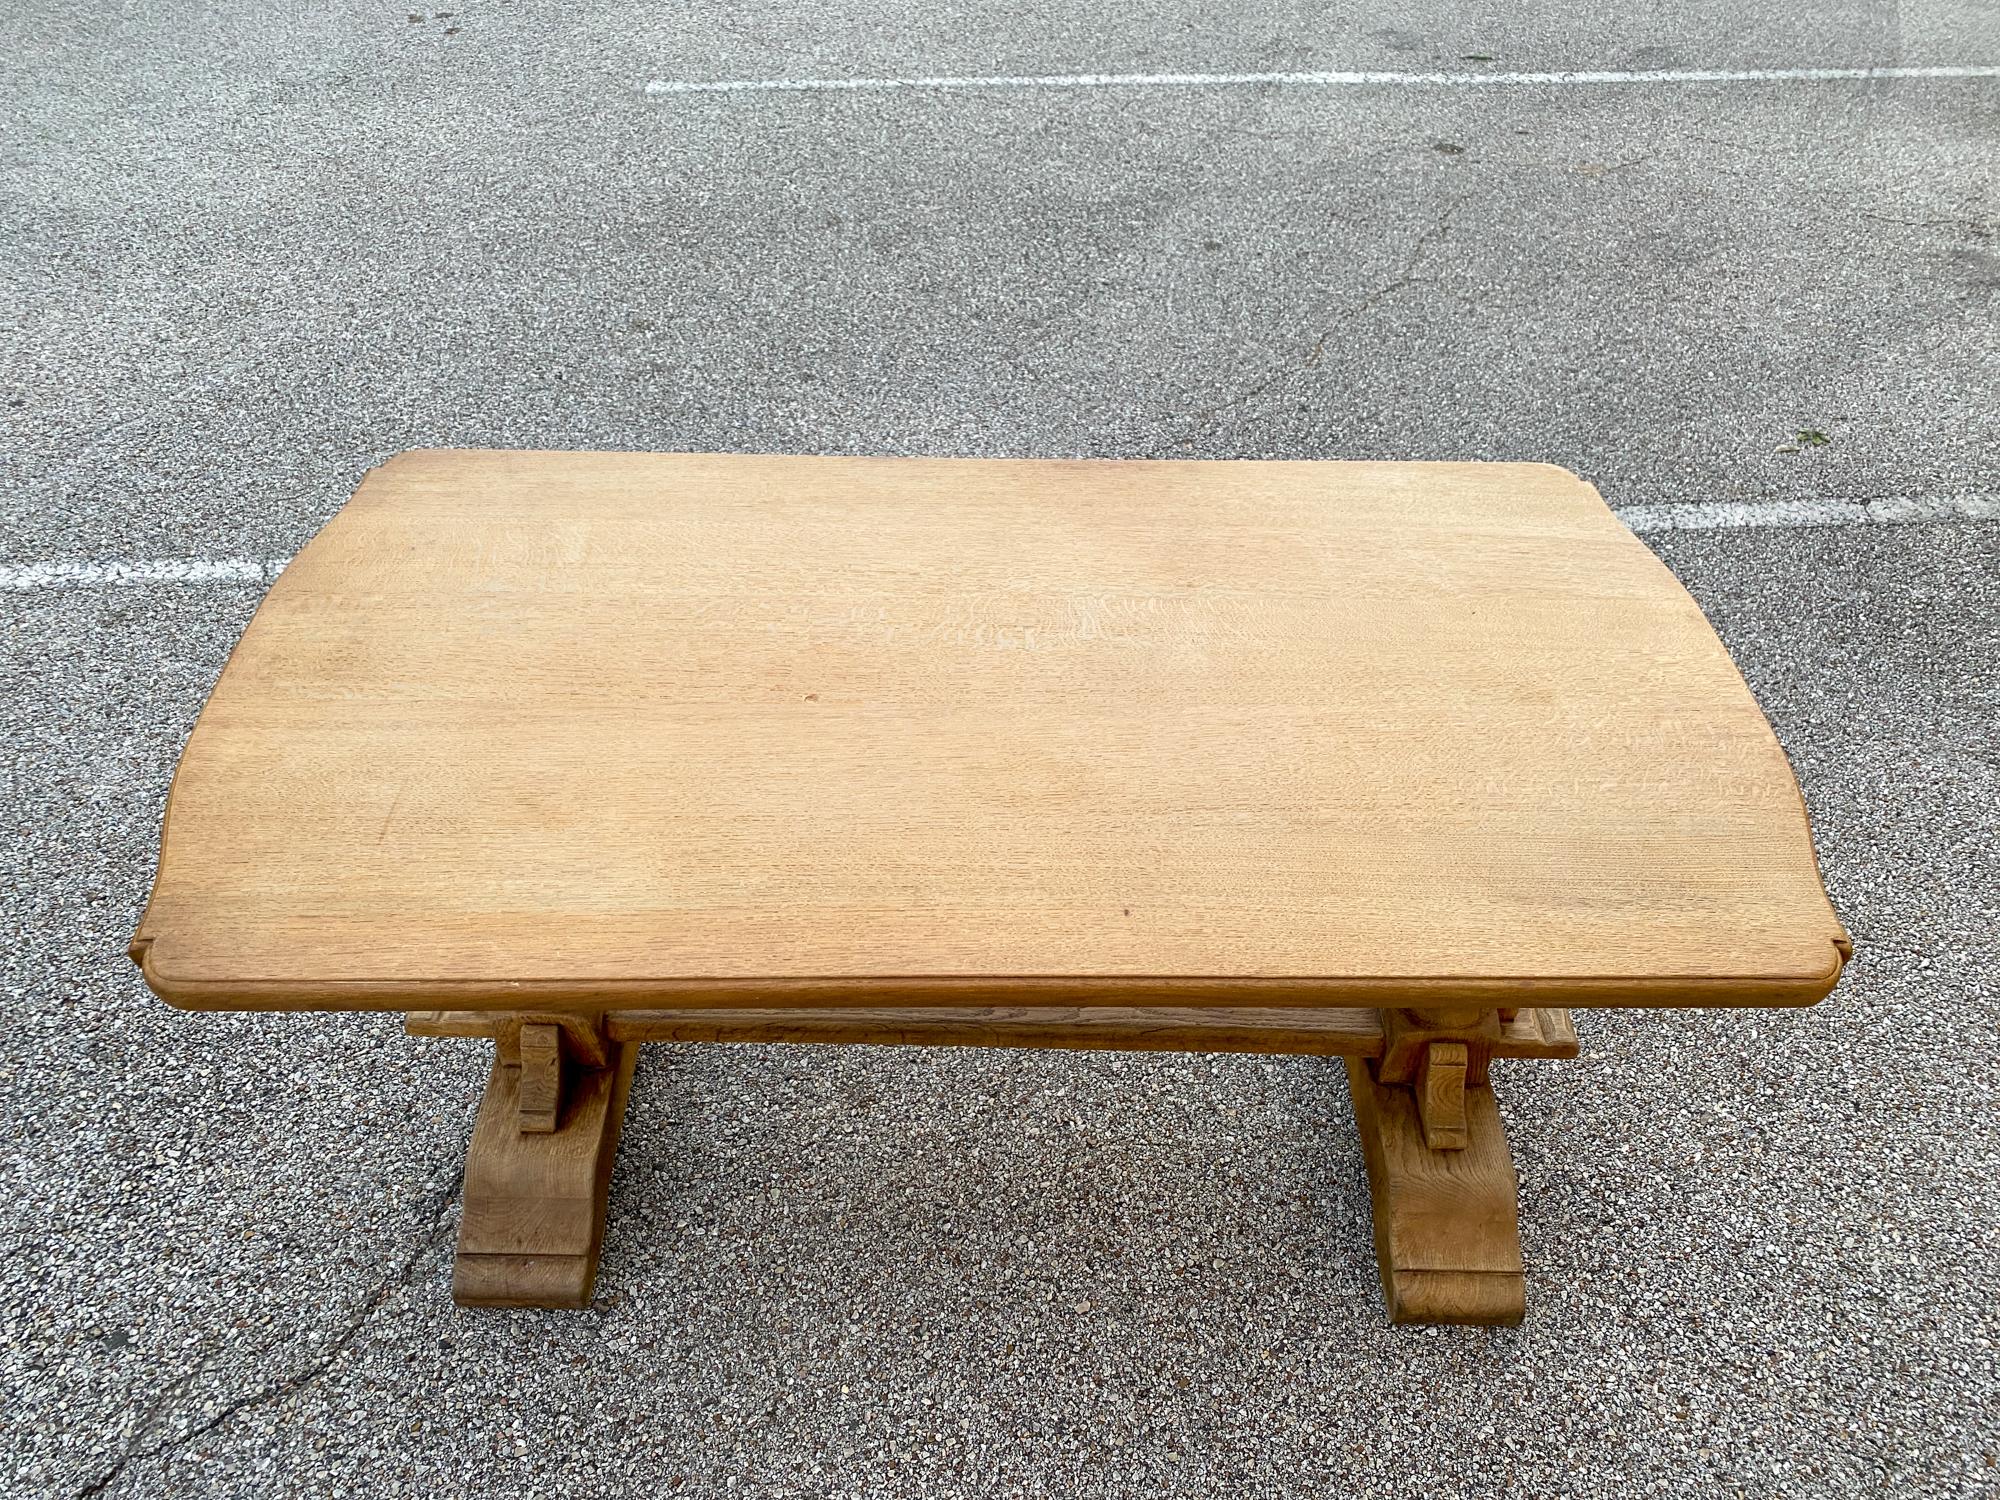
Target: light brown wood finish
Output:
{"points": [[623, 730], [533, 1216]]}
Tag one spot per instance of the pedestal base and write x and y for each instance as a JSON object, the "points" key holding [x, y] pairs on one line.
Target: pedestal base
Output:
{"points": [[1447, 1230], [534, 1200]]}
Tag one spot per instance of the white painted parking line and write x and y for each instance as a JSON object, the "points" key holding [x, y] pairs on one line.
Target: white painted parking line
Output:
{"points": [[1731, 515], [1720, 516], [1368, 79], [42, 575]]}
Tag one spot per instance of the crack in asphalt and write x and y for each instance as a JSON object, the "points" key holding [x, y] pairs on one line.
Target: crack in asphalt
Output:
{"points": [[1205, 422], [402, 1276]]}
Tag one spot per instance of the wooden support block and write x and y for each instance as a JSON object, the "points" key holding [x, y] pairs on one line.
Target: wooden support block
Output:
{"points": [[1440, 1095], [539, 1091], [534, 1202], [1447, 1232]]}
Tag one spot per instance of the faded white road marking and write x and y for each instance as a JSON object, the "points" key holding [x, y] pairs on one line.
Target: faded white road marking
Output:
{"points": [[1731, 515], [1371, 79], [41, 575]]}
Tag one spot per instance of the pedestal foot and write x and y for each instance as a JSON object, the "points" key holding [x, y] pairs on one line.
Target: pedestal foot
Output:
{"points": [[534, 1193], [1447, 1232]]}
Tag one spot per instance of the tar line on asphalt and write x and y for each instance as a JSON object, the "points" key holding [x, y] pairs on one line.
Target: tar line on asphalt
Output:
{"points": [[1719, 516], [1360, 79]]}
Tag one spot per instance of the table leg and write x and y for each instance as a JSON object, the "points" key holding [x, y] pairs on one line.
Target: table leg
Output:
{"points": [[1447, 1233], [534, 1194]]}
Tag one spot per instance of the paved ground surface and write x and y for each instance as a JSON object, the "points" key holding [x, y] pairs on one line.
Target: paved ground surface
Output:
{"points": [[245, 252]]}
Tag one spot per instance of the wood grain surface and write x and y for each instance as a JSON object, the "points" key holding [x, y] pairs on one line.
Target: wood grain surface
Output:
{"points": [[576, 730]]}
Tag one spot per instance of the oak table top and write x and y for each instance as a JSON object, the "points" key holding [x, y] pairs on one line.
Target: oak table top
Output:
{"points": [[599, 729]]}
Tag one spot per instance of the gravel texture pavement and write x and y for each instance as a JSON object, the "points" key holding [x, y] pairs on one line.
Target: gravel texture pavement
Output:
{"points": [[245, 253]]}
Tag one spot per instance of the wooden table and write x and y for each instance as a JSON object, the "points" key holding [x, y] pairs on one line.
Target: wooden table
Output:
{"points": [[1391, 762]]}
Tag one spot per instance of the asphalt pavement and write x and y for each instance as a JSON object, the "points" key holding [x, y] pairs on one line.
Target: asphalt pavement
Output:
{"points": [[247, 253]]}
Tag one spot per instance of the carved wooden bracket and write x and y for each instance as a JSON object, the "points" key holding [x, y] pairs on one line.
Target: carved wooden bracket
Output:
{"points": [[1439, 1054], [544, 1046]]}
